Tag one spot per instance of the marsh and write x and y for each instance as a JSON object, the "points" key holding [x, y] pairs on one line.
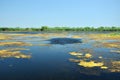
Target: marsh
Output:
{"points": [[57, 56]]}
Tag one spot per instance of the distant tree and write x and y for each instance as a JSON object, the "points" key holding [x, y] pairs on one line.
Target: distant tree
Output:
{"points": [[44, 28]]}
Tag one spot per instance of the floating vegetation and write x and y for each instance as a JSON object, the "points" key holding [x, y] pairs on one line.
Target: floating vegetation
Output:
{"points": [[76, 53], [11, 53], [4, 37], [42, 35], [104, 67], [83, 60], [115, 66], [16, 49], [76, 36], [111, 44], [88, 55], [90, 64], [104, 37], [16, 35], [15, 44], [51, 35]]}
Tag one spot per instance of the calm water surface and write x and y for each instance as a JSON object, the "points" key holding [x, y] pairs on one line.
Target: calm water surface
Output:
{"points": [[51, 62]]}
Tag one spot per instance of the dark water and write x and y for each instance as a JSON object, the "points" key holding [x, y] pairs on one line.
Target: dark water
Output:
{"points": [[52, 62], [64, 41]]}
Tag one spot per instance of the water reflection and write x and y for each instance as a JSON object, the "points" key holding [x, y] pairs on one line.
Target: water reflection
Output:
{"points": [[64, 41]]}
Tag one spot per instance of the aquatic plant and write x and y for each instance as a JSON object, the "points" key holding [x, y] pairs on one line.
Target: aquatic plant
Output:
{"points": [[88, 55], [115, 66], [111, 44], [104, 67], [75, 53], [11, 53], [4, 37], [15, 44], [76, 36], [90, 64]]}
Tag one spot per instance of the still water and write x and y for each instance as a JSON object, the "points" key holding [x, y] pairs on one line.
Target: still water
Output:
{"points": [[51, 60]]}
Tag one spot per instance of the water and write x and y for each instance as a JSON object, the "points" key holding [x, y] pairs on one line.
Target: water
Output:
{"points": [[51, 62]]}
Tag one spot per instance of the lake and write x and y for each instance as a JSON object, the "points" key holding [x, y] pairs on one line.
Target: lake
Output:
{"points": [[59, 56]]}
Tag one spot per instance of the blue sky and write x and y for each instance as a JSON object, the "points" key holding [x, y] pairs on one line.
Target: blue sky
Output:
{"points": [[71, 13]]}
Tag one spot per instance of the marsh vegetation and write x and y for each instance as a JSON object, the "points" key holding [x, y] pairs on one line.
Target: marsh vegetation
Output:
{"points": [[57, 55]]}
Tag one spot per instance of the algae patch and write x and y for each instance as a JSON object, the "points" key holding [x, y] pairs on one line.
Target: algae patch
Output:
{"points": [[4, 37], [90, 64], [7, 53], [115, 66], [75, 53], [88, 55], [14, 44], [112, 44]]}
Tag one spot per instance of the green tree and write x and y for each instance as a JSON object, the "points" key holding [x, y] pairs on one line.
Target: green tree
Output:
{"points": [[44, 28]]}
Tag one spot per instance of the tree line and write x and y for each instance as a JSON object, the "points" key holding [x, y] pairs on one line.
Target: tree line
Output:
{"points": [[46, 28]]}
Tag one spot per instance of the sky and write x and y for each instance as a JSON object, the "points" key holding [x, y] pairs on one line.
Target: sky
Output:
{"points": [[69, 13]]}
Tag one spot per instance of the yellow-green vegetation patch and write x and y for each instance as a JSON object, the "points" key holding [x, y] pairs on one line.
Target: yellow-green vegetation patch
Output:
{"points": [[18, 35], [111, 44], [16, 49], [88, 55], [76, 36], [104, 37], [75, 53], [83, 60], [15, 44], [104, 67], [4, 37], [79, 55], [49, 35], [115, 66], [43, 35], [11, 53], [90, 64]]}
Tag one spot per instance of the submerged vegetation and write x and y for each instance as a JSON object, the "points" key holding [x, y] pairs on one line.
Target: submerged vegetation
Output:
{"points": [[46, 28]]}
